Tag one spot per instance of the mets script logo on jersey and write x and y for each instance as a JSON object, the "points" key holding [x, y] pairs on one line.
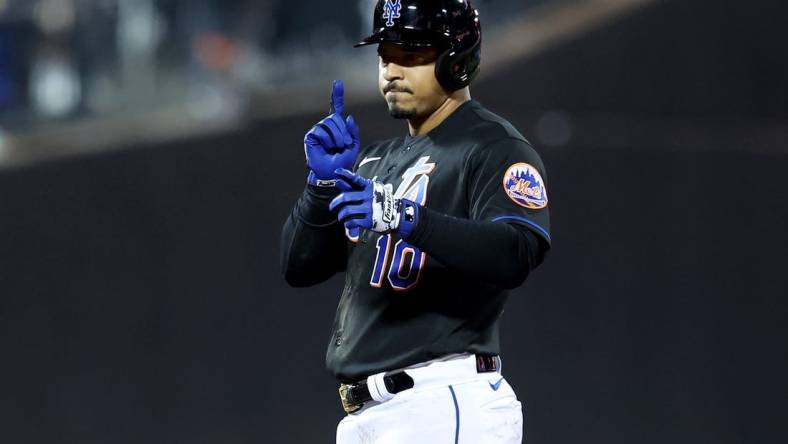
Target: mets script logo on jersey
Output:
{"points": [[524, 185], [415, 180], [391, 11]]}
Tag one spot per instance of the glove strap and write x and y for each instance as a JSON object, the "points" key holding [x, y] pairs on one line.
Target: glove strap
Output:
{"points": [[408, 217], [312, 179]]}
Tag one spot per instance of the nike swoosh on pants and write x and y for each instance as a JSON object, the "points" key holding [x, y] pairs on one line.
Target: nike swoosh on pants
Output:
{"points": [[496, 385]]}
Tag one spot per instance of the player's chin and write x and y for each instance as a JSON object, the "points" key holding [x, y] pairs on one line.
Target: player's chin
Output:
{"points": [[398, 111]]}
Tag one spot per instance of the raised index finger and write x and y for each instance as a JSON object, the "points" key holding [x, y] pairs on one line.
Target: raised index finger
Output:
{"points": [[338, 98]]}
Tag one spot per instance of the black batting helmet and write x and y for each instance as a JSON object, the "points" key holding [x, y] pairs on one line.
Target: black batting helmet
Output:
{"points": [[452, 26]]}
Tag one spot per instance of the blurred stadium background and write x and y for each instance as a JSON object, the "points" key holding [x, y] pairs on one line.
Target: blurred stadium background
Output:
{"points": [[149, 151]]}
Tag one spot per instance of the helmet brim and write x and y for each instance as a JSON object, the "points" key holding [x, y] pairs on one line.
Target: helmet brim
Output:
{"points": [[411, 38]]}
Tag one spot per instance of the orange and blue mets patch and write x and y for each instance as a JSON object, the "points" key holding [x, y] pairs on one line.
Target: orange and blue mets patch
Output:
{"points": [[524, 185]]}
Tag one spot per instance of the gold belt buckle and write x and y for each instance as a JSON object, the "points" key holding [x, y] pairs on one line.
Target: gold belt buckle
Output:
{"points": [[349, 408]]}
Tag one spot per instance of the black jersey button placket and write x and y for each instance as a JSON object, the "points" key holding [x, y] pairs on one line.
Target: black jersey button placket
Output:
{"points": [[404, 150]]}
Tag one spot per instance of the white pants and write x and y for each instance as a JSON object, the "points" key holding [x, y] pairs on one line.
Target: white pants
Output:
{"points": [[449, 403]]}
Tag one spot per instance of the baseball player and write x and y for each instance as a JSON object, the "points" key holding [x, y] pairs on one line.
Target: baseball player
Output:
{"points": [[430, 229]]}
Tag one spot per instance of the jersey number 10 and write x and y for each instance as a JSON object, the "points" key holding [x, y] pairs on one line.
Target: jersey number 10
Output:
{"points": [[405, 266]]}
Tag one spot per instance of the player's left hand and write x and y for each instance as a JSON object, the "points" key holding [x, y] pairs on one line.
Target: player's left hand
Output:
{"points": [[332, 143], [370, 204]]}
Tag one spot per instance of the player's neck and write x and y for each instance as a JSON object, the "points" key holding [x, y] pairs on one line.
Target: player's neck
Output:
{"points": [[417, 127]]}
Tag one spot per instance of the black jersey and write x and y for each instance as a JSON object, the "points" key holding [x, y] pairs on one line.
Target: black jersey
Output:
{"points": [[399, 306]]}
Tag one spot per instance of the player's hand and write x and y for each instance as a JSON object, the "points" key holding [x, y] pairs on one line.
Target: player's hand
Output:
{"points": [[333, 143], [370, 204]]}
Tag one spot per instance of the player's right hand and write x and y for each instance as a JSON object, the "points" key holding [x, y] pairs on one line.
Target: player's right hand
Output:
{"points": [[333, 143]]}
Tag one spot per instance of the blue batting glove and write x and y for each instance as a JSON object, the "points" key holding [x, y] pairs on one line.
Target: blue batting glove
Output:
{"points": [[333, 143], [370, 204], [353, 233]]}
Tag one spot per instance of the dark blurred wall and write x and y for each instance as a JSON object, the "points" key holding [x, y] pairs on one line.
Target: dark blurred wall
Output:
{"points": [[141, 298]]}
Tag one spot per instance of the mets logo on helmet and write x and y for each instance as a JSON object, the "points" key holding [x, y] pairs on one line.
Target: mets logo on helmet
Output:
{"points": [[524, 185], [391, 11]]}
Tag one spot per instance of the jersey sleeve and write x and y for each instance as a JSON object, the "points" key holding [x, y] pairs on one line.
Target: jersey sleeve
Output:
{"points": [[507, 183]]}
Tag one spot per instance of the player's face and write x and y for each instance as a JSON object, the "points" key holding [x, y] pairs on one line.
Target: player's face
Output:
{"points": [[407, 80]]}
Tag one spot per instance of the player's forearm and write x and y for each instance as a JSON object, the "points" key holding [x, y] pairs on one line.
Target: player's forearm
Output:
{"points": [[497, 253], [313, 245]]}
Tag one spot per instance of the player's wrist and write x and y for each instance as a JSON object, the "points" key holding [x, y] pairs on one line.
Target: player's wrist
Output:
{"points": [[313, 179]]}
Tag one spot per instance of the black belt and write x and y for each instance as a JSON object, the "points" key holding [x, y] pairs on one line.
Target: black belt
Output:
{"points": [[354, 396]]}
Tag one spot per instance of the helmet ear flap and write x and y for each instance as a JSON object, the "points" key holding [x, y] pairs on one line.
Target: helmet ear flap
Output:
{"points": [[456, 69]]}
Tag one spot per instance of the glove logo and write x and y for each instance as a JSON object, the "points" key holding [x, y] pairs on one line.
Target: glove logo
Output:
{"points": [[524, 185], [391, 11], [383, 199]]}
